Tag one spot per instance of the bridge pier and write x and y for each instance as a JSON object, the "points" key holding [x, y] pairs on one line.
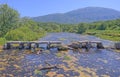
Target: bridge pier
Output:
{"points": [[8, 46], [100, 46], [35, 44], [21, 45], [28, 46], [117, 45], [48, 46]]}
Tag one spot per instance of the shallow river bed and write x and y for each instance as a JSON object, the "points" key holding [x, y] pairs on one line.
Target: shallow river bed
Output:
{"points": [[95, 63]]}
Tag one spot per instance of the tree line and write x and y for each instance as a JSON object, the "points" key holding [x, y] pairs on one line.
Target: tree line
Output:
{"points": [[13, 27]]}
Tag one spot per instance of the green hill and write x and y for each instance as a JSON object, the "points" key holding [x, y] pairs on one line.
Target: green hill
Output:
{"points": [[88, 14]]}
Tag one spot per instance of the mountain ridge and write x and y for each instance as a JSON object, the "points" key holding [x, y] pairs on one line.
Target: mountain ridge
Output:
{"points": [[87, 14]]}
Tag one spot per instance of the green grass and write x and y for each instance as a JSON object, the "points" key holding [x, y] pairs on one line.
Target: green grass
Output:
{"points": [[113, 35]]}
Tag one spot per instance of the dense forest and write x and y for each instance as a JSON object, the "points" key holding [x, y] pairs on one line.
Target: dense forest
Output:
{"points": [[13, 27]]}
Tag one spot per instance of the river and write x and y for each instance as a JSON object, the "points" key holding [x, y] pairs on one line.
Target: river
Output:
{"points": [[95, 63]]}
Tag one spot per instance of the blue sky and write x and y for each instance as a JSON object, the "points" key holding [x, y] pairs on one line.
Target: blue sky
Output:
{"points": [[34, 8]]}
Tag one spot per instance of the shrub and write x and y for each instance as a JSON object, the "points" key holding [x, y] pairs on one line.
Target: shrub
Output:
{"points": [[2, 41], [23, 34]]}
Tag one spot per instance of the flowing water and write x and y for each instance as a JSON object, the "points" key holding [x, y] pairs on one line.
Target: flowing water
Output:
{"points": [[95, 63]]}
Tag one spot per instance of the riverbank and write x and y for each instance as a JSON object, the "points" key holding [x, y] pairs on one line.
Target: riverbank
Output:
{"points": [[105, 34]]}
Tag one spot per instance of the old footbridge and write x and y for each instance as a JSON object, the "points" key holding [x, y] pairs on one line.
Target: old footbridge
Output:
{"points": [[36, 44], [57, 44]]}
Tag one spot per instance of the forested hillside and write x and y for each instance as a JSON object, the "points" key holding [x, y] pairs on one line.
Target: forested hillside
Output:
{"points": [[88, 14], [13, 27]]}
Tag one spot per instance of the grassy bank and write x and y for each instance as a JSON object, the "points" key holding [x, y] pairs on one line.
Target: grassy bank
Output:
{"points": [[113, 35]]}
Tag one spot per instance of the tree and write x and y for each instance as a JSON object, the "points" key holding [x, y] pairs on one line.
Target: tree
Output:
{"points": [[8, 19], [101, 27], [50, 27], [81, 28]]}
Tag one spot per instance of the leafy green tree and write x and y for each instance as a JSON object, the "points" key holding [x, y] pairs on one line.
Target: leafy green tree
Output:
{"points": [[81, 28], [21, 34], [101, 27], [2, 41], [27, 31], [50, 27], [8, 19]]}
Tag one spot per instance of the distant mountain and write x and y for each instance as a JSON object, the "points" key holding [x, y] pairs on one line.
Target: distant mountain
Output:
{"points": [[88, 14]]}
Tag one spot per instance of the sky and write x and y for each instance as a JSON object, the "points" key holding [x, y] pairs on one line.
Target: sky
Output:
{"points": [[33, 8]]}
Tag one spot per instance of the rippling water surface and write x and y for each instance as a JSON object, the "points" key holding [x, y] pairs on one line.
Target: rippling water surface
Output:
{"points": [[96, 63]]}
